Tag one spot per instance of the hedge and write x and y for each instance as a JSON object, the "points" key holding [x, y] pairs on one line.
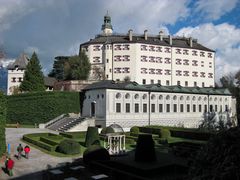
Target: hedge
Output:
{"points": [[69, 146], [92, 136], [195, 135], [150, 130], [48, 141], [39, 143], [40, 107], [2, 123], [73, 135]]}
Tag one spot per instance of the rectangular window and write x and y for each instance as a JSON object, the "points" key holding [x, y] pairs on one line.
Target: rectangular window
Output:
{"points": [[200, 108], [144, 108], [167, 82], [216, 109], [181, 108], [136, 108], [195, 84], [160, 108], [153, 108], [178, 83], [159, 81], [127, 107], [14, 79], [188, 107], [152, 81], [144, 81], [174, 107], [118, 107], [186, 83], [203, 84], [168, 107], [194, 107], [205, 108]]}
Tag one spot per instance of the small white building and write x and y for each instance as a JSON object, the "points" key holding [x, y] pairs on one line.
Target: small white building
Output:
{"points": [[16, 73], [130, 104]]}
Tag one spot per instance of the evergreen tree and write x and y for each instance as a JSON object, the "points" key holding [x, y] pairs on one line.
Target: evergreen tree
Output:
{"points": [[33, 79], [77, 67]]}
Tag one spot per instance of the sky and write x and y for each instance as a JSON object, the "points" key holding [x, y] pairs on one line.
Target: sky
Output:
{"points": [[57, 27]]}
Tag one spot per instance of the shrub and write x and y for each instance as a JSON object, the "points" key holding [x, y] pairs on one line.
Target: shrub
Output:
{"points": [[150, 130], [48, 141], [165, 133], [95, 153], [109, 130], [92, 136], [2, 123], [40, 107], [68, 146], [73, 135], [103, 131], [39, 143], [134, 130], [219, 159], [145, 151]]}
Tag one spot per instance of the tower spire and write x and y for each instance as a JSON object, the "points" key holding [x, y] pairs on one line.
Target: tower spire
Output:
{"points": [[107, 26]]}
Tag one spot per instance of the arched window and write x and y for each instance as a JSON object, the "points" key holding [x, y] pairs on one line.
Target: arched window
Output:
{"points": [[194, 98], [153, 96], [118, 95], [181, 98], [127, 96], [188, 98], [144, 96], [175, 97], [200, 98], [136, 96], [160, 97], [167, 97]]}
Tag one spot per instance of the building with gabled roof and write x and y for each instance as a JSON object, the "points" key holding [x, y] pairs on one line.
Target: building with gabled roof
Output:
{"points": [[16, 72]]}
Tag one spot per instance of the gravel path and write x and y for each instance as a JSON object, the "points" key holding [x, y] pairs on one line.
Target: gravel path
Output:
{"points": [[37, 161]]}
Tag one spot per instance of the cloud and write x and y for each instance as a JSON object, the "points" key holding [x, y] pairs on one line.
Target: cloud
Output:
{"points": [[224, 38], [5, 62], [214, 9], [140, 15], [13, 10]]}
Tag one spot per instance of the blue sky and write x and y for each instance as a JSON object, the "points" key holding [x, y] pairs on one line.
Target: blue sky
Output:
{"points": [[58, 27]]}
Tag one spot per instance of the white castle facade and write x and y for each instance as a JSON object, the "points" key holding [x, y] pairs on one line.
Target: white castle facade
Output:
{"points": [[148, 59], [172, 80]]}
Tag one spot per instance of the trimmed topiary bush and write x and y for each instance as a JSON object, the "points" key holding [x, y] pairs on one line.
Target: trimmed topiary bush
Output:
{"points": [[145, 151], [134, 130], [2, 123], [92, 137], [165, 133], [95, 153], [68, 146]]}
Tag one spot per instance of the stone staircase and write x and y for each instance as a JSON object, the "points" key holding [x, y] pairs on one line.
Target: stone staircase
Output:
{"points": [[66, 123]]}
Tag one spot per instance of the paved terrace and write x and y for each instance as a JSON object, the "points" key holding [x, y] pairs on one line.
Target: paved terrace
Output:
{"points": [[37, 161]]}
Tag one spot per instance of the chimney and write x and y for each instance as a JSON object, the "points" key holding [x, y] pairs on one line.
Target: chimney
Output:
{"points": [[130, 34], [190, 42], [145, 34], [161, 33], [170, 39]]}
